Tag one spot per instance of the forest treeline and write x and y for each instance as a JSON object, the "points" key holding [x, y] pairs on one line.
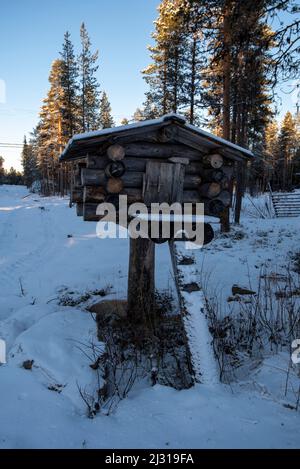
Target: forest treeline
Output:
{"points": [[11, 176], [74, 104], [218, 62]]}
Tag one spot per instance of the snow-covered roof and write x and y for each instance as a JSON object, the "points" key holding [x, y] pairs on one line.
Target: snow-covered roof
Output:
{"points": [[167, 118]]}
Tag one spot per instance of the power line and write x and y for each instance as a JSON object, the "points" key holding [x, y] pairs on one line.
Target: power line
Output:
{"points": [[11, 145]]}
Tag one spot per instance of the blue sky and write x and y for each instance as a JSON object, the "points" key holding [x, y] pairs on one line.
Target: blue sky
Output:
{"points": [[31, 34]]}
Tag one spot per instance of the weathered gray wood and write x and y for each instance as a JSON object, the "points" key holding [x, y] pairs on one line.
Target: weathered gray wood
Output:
{"points": [[168, 133], [178, 182], [139, 164], [214, 207], [180, 160], [156, 132], [206, 144], [163, 183], [228, 170], [141, 281], [191, 196], [210, 190], [214, 175], [225, 197], [77, 180], [97, 177], [89, 212], [226, 183], [188, 139], [240, 186], [133, 195], [79, 167], [84, 147], [224, 220], [94, 194], [77, 195], [161, 150], [153, 190], [79, 209]]}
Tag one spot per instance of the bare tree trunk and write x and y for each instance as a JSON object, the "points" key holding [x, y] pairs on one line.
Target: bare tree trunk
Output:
{"points": [[193, 81], [175, 103], [226, 72]]}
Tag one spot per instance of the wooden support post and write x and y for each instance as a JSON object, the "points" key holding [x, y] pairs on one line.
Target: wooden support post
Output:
{"points": [[141, 282], [224, 219], [240, 183]]}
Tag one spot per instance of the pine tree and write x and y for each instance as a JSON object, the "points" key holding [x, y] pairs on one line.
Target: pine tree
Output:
{"points": [[105, 120], [138, 115], [270, 153], [124, 121], [69, 75], [51, 138], [194, 57], [237, 83], [149, 109], [89, 87], [287, 148], [165, 75]]}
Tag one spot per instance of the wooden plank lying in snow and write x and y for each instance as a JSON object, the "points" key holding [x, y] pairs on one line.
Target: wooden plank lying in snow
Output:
{"points": [[192, 305]]}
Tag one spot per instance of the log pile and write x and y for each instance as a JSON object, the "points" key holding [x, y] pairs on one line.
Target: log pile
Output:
{"points": [[121, 170]]}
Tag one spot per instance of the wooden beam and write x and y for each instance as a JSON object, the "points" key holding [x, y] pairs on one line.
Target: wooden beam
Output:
{"points": [[141, 282], [76, 195], [138, 164], [94, 194], [240, 183], [79, 209], [161, 150], [97, 177]]}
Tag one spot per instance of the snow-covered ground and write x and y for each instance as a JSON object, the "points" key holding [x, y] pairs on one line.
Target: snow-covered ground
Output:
{"points": [[46, 252]]}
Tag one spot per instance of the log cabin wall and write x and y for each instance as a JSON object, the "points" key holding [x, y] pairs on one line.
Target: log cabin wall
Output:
{"points": [[100, 179], [120, 164]]}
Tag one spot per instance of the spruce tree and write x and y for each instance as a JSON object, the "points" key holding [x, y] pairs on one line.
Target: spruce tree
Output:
{"points": [[105, 120], [69, 75], [270, 152], [89, 87], [29, 163]]}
